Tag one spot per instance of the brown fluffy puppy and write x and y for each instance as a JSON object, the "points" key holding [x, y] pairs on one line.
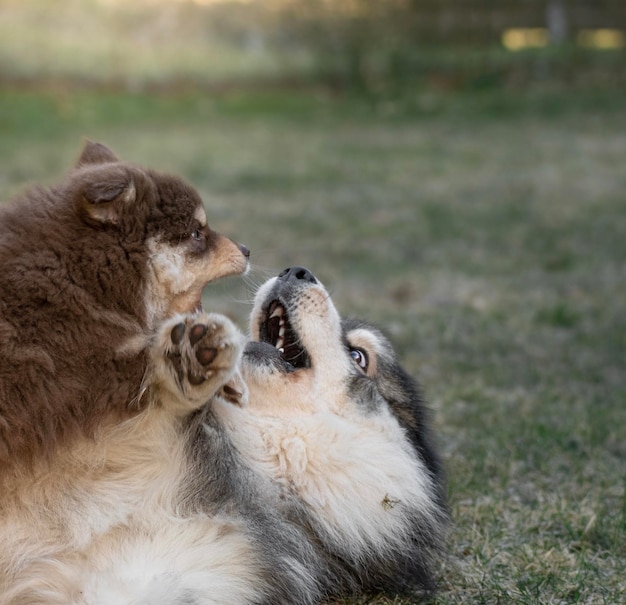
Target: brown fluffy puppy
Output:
{"points": [[89, 270]]}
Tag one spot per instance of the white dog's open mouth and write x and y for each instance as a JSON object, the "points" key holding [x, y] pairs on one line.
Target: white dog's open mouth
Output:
{"points": [[276, 329]]}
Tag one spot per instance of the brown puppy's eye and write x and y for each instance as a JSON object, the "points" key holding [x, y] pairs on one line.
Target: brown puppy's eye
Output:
{"points": [[360, 358], [198, 240]]}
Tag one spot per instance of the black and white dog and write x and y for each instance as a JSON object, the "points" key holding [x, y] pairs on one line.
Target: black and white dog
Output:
{"points": [[310, 473]]}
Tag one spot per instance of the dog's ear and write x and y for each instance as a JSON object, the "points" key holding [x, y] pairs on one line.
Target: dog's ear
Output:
{"points": [[104, 196], [95, 153]]}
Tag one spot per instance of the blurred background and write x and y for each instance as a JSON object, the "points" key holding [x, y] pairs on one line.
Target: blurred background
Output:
{"points": [[382, 47], [453, 171]]}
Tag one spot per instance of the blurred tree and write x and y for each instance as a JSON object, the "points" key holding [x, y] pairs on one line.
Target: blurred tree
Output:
{"points": [[366, 45], [556, 19], [352, 41]]}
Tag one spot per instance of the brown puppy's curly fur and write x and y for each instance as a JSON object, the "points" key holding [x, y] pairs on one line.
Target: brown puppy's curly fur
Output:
{"points": [[87, 270]]}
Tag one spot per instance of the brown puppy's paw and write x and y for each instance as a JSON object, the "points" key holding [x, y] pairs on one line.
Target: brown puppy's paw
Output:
{"points": [[196, 355]]}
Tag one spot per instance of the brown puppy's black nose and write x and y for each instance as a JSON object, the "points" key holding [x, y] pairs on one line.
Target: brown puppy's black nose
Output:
{"points": [[297, 273], [244, 250]]}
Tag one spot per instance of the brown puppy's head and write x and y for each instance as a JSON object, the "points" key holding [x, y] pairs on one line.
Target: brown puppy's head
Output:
{"points": [[161, 216], [88, 269]]}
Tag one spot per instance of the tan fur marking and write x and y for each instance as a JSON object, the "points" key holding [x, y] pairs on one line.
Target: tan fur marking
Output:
{"points": [[177, 280]]}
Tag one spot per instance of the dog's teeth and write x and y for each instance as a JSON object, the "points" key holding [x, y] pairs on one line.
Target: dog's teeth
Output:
{"points": [[280, 343], [281, 350], [281, 330], [277, 312]]}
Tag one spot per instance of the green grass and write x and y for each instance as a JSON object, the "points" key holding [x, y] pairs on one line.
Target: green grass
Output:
{"points": [[486, 233]]}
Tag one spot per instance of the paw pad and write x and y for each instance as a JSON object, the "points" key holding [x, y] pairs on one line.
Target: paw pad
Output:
{"points": [[197, 332], [202, 348]]}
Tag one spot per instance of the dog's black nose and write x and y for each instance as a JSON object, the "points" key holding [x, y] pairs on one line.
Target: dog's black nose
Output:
{"points": [[297, 273], [244, 250]]}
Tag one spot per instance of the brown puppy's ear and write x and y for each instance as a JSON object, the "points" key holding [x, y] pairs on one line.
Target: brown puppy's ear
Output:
{"points": [[104, 197], [95, 153]]}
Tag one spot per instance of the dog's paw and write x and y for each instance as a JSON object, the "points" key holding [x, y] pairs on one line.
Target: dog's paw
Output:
{"points": [[196, 355]]}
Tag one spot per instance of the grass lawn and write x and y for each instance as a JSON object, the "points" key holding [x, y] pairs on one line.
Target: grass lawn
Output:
{"points": [[485, 234]]}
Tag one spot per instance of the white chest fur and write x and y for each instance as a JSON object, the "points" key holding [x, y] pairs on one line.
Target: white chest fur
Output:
{"points": [[357, 475]]}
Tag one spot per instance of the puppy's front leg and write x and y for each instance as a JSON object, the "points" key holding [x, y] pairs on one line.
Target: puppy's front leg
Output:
{"points": [[193, 357]]}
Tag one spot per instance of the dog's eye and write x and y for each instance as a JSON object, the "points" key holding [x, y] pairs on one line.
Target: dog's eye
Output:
{"points": [[198, 240], [360, 358]]}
